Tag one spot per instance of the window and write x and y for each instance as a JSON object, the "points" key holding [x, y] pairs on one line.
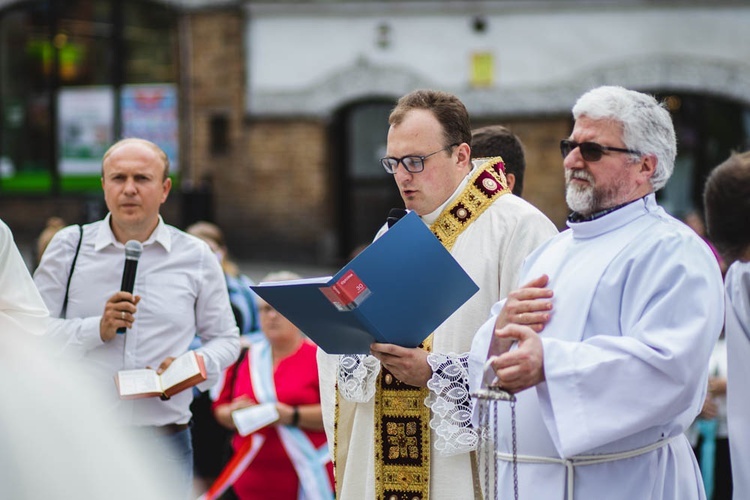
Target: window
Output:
{"points": [[67, 70]]}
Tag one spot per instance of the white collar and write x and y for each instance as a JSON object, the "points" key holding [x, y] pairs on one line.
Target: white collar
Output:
{"points": [[615, 219], [106, 237]]}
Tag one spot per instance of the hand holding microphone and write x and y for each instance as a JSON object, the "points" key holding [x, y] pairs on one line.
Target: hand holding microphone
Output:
{"points": [[133, 250], [120, 308]]}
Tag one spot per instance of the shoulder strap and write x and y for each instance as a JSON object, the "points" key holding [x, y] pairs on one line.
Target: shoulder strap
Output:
{"points": [[70, 274]]}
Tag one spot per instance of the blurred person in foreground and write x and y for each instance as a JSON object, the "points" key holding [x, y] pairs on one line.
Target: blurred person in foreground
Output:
{"points": [[289, 459], [418, 397], [727, 201], [179, 290], [54, 443], [497, 140], [613, 328], [21, 307]]}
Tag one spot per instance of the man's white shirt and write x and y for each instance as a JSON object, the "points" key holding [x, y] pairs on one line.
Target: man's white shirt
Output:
{"points": [[183, 293]]}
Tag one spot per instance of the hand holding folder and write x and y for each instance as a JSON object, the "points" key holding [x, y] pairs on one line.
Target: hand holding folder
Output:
{"points": [[397, 291]]}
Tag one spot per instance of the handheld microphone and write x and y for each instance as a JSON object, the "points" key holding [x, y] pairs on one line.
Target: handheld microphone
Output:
{"points": [[394, 215], [133, 250]]}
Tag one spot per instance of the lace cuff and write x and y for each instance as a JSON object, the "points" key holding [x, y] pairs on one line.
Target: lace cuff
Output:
{"points": [[450, 403], [357, 377]]}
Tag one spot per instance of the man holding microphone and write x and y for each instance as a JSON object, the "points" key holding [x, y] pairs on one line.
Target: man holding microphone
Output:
{"points": [[179, 292]]}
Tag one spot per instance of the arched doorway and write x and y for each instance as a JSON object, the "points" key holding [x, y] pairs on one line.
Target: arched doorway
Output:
{"points": [[365, 192]]}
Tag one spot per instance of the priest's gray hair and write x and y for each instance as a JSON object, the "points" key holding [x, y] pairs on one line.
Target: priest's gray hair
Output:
{"points": [[647, 125]]}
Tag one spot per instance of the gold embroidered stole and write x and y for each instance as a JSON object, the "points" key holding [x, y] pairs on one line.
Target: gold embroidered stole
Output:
{"points": [[486, 185], [402, 419]]}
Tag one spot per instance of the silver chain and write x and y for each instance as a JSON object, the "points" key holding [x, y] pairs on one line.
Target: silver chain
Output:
{"points": [[484, 450], [487, 408], [515, 446], [495, 442]]}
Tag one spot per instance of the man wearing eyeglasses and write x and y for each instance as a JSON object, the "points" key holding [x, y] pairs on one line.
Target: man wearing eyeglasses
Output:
{"points": [[614, 327], [390, 443]]}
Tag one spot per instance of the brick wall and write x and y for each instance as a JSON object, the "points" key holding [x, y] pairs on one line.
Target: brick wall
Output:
{"points": [[213, 88], [271, 187], [276, 198]]}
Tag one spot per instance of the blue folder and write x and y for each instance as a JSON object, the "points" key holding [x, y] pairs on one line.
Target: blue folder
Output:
{"points": [[409, 284]]}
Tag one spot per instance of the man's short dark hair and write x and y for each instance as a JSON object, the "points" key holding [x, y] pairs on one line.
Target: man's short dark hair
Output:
{"points": [[448, 109], [496, 140], [727, 200]]}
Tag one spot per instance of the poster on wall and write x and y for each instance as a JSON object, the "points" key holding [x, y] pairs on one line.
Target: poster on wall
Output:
{"points": [[86, 118], [482, 69], [150, 112]]}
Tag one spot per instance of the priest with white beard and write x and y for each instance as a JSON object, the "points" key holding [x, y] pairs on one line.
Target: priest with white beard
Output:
{"points": [[613, 329]]}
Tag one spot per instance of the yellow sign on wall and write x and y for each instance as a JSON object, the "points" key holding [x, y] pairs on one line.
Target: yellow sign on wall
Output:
{"points": [[482, 69]]}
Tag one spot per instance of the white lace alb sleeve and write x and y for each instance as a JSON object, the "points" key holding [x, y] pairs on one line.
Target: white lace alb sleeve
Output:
{"points": [[450, 403], [357, 377]]}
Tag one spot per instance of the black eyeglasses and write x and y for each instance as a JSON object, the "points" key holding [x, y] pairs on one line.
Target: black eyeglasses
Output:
{"points": [[591, 151], [412, 163]]}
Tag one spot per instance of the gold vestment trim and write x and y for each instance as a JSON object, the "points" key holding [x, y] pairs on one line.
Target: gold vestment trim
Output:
{"points": [[486, 184]]}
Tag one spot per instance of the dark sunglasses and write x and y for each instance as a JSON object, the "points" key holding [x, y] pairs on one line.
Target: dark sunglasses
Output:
{"points": [[591, 151]]}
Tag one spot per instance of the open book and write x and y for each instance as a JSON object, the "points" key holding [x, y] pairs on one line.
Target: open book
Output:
{"points": [[250, 419], [185, 371], [397, 290]]}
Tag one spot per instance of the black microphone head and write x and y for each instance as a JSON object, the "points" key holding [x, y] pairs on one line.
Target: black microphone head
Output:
{"points": [[133, 250], [394, 215]]}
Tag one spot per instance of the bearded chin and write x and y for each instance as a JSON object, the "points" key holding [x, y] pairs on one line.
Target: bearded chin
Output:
{"points": [[580, 199]]}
